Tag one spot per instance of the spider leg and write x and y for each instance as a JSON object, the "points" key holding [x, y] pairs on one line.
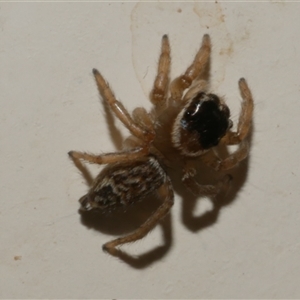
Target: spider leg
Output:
{"points": [[179, 84], [141, 117], [198, 85], [120, 111], [230, 161], [245, 119], [158, 95], [234, 158], [109, 158], [203, 189], [165, 191], [235, 138]]}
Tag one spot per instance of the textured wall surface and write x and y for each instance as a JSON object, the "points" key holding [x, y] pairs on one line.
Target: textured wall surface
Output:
{"points": [[50, 105]]}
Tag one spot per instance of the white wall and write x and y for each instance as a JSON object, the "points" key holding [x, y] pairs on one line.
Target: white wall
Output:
{"points": [[50, 105]]}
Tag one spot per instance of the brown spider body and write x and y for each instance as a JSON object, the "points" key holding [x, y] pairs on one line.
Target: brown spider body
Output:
{"points": [[123, 184], [186, 123]]}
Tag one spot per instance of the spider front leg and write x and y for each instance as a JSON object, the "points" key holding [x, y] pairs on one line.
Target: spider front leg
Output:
{"points": [[184, 81], [201, 189], [109, 158], [158, 95], [165, 192], [235, 138], [214, 161], [122, 114], [245, 119]]}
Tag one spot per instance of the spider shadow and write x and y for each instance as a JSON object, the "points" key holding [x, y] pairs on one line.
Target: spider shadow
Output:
{"points": [[209, 176], [224, 198], [119, 223], [122, 222]]}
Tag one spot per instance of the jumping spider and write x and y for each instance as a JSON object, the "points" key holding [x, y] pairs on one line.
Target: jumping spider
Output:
{"points": [[185, 123]]}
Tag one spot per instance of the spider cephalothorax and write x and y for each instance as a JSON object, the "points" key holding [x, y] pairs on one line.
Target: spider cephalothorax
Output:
{"points": [[201, 124], [185, 123]]}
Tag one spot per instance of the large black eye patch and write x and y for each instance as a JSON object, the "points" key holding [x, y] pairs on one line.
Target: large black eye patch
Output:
{"points": [[205, 117]]}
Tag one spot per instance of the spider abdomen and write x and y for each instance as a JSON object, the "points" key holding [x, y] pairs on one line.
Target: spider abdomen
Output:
{"points": [[123, 184]]}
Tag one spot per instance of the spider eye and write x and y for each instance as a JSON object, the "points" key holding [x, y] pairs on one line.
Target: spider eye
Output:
{"points": [[206, 117]]}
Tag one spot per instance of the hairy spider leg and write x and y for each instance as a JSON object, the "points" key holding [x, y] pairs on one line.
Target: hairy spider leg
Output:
{"points": [[197, 189], [235, 138], [179, 84], [159, 93], [109, 158], [145, 133], [120, 111], [245, 119], [141, 117], [165, 192]]}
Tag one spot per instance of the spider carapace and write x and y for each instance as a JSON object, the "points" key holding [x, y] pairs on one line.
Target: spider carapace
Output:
{"points": [[186, 122]]}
